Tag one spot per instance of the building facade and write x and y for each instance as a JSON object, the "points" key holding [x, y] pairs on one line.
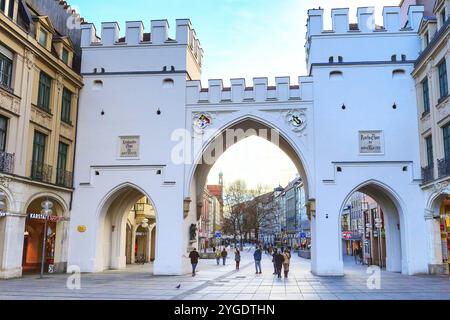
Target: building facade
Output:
{"points": [[430, 74], [39, 89], [142, 93]]}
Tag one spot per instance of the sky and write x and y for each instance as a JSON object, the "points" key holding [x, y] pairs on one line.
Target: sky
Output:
{"points": [[241, 39]]}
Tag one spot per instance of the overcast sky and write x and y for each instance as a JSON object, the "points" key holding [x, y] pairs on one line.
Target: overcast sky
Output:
{"points": [[241, 39]]}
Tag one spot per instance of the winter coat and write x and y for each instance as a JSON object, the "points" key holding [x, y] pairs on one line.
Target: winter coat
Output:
{"points": [[257, 255], [224, 254], [194, 255], [279, 259], [237, 257]]}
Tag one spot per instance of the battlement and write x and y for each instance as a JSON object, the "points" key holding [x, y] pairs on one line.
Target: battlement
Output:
{"points": [[135, 35], [260, 92], [366, 21]]}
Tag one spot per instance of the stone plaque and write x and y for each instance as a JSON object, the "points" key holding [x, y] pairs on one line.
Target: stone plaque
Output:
{"points": [[129, 147], [371, 142]]}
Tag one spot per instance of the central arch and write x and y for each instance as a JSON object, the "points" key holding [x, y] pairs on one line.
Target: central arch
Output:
{"points": [[251, 125]]}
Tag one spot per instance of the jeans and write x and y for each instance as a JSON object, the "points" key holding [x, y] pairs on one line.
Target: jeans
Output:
{"points": [[258, 266], [218, 261], [224, 260], [194, 266]]}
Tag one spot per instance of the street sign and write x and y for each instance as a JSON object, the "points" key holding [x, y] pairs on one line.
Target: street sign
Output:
{"points": [[218, 234]]}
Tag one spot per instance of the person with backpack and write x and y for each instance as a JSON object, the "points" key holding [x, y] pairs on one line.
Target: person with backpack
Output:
{"points": [[258, 257], [224, 256]]}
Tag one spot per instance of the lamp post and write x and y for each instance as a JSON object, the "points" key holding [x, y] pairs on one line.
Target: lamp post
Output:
{"points": [[47, 211], [379, 225]]}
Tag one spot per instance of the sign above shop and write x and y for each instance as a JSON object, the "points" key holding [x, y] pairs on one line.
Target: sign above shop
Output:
{"points": [[40, 216]]}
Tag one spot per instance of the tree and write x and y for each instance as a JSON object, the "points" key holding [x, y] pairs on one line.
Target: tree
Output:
{"points": [[244, 212]]}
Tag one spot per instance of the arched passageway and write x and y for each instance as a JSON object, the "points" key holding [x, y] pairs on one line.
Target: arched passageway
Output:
{"points": [[124, 228], [371, 224]]}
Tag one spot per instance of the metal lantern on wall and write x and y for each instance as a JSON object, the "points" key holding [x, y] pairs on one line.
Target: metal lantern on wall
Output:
{"points": [[47, 206], [144, 223]]}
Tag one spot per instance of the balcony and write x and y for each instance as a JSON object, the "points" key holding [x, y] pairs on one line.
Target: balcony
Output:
{"points": [[6, 162], [41, 172], [64, 178], [427, 174], [444, 168]]}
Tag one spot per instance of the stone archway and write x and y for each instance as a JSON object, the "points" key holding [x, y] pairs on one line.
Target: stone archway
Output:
{"points": [[113, 224], [437, 220], [388, 201]]}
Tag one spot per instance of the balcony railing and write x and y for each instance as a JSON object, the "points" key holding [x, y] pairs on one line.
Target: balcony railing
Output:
{"points": [[41, 172], [6, 162], [427, 174], [444, 167], [64, 178]]}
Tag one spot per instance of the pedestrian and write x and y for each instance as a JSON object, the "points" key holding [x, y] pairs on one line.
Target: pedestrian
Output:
{"points": [[258, 257], [237, 258], [224, 256], [279, 259], [218, 255], [214, 249], [273, 260], [194, 256], [286, 262]]}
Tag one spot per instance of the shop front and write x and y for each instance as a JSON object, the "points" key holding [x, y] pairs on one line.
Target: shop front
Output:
{"points": [[445, 233]]}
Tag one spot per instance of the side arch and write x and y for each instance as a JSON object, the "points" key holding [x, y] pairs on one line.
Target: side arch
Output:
{"points": [[395, 221]]}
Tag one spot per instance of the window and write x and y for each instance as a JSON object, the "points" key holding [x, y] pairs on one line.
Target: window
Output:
{"points": [[429, 150], [443, 81], [7, 6], [6, 63], [62, 164], [66, 108], [426, 96], [37, 165], [443, 17], [44, 92], [446, 131], [3, 129], [65, 56], [43, 37]]}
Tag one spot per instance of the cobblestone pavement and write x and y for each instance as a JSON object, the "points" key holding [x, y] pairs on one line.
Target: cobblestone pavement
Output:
{"points": [[224, 283]]}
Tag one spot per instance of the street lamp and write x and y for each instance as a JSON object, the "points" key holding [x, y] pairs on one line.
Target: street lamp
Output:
{"points": [[47, 211], [379, 226], [144, 223]]}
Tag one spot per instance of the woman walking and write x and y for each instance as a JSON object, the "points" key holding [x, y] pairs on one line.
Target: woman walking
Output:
{"points": [[237, 258], [286, 262]]}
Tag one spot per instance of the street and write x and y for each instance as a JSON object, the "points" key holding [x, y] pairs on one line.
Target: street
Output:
{"points": [[224, 283]]}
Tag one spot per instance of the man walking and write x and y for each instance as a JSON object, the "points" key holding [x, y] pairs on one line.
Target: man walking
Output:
{"points": [[286, 262], [279, 259], [224, 256], [258, 257], [194, 256], [273, 261]]}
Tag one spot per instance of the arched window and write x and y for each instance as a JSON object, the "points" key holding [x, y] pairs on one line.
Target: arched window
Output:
{"points": [[398, 73], [336, 75], [97, 85], [168, 83]]}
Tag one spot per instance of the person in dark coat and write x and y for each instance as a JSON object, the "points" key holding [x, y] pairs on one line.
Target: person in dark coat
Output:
{"points": [[194, 256], [224, 256], [279, 259], [273, 260]]}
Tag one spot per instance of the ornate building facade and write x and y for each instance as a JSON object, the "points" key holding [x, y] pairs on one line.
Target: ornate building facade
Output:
{"points": [[39, 90]]}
